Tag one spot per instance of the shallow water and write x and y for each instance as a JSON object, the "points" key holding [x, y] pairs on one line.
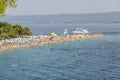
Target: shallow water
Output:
{"points": [[91, 59]]}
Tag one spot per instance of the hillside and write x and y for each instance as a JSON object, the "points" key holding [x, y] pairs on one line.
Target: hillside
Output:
{"points": [[110, 17]]}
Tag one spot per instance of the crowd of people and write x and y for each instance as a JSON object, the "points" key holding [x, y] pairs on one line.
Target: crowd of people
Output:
{"points": [[52, 38]]}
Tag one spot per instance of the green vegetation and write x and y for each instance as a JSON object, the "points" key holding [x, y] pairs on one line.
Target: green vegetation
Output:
{"points": [[7, 30], [13, 31], [6, 3]]}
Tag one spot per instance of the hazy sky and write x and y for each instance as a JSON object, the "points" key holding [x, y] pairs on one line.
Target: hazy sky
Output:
{"points": [[44, 7]]}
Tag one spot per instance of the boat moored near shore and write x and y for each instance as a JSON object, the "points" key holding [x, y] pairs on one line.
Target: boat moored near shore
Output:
{"points": [[80, 31]]}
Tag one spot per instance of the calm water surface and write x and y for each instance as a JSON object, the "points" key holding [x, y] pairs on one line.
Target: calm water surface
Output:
{"points": [[59, 28], [91, 59]]}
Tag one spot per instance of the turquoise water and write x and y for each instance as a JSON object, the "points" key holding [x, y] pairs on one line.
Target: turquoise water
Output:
{"points": [[91, 59]]}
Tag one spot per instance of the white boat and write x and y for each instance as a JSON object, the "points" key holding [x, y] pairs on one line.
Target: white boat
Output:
{"points": [[80, 31]]}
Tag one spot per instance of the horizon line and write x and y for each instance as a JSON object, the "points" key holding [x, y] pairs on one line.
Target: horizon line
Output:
{"points": [[64, 13]]}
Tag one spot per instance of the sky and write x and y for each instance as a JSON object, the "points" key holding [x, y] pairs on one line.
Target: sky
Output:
{"points": [[46, 7]]}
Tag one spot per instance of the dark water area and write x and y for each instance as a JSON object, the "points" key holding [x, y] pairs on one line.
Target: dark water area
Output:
{"points": [[90, 59], [59, 28]]}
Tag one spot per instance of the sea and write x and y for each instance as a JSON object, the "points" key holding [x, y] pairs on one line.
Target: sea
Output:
{"points": [[90, 59]]}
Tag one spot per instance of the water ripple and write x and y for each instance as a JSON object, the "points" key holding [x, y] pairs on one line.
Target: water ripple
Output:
{"points": [[92, 59]]}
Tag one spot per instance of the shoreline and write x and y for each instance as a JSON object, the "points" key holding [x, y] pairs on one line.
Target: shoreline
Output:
{"points": [[40, 40]]}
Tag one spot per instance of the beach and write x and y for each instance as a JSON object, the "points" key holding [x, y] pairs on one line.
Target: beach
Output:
{"points": [[39, 40]]}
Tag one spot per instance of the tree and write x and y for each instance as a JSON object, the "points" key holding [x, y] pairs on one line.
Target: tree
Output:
{"points": [[6, 3], [26, 31], [18, 29], [13, 31]]}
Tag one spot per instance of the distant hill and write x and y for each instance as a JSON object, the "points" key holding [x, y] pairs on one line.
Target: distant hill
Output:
{"points": [[110, 17]]}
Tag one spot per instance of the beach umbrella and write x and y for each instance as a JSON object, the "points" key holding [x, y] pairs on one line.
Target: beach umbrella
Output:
{"points": [[19, 40], [52, 34], [65, 31]]}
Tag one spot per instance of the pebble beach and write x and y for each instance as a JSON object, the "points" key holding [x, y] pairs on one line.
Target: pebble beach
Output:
{"points": [[40, 40]]}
